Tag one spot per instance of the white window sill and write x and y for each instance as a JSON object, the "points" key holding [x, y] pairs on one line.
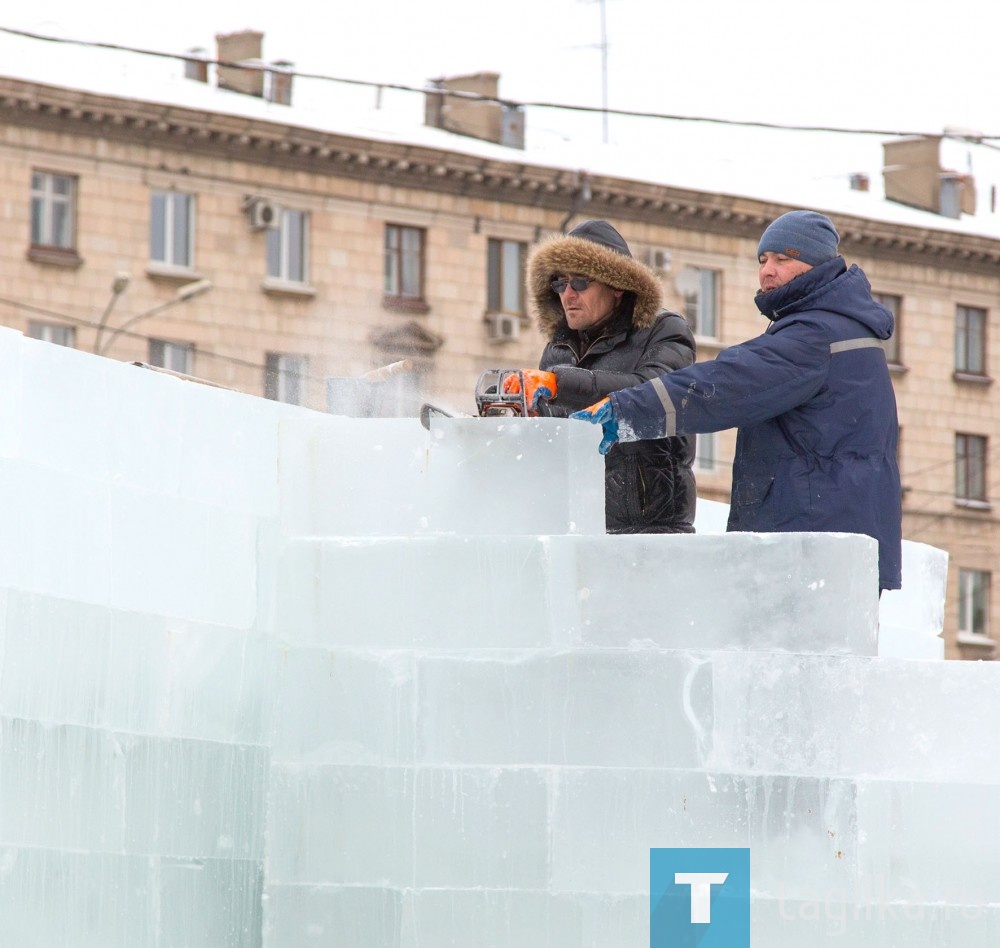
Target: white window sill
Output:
{"points": [[166, 271], [973, 504], [971, 638], [974, 378], [288, 287]]}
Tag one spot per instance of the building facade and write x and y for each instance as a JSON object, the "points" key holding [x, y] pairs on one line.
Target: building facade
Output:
{"points": [[281, 260]]}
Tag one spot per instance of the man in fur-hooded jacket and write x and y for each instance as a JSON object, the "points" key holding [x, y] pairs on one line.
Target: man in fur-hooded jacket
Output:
{"points": [[600, 310]]}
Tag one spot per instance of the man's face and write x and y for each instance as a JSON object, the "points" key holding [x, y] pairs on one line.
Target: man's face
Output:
{"points": [[586, 308], [776, 270]]}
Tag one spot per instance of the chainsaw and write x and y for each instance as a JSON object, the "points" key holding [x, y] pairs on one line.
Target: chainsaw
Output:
{"points": [[496, 397]]}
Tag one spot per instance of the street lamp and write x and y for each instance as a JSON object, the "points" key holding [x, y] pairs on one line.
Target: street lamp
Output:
{"points": [[118, 287], [183, 294]]}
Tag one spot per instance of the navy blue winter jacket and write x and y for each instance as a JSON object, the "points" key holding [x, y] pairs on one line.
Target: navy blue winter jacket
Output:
{"points": [[815, 408]]}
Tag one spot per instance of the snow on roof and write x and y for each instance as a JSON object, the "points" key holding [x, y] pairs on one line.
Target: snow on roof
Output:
{"points": [[798, 168]]}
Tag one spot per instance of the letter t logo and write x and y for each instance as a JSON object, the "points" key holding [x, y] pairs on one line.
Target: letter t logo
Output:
{"points": [[701, 892]]}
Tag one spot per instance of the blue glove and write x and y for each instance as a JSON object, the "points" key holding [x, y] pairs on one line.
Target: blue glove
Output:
{"points": [[601, 413]]}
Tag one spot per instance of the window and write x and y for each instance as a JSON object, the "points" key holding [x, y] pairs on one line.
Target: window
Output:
{"points": [[973, 602], [53, 210], [404, 262], [970, 340], [891, 345], [288, 246], [705, 453], [970, 468], [171, 228], [700, 289], [176, 356], [505, 276], [284, 378], [52, 332]]}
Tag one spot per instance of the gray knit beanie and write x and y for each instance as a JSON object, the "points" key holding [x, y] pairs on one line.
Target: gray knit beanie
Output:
{"points": [[802, 235]]}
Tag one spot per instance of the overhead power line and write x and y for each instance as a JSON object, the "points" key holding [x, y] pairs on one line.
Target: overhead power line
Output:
{"points": [[511, 103]]}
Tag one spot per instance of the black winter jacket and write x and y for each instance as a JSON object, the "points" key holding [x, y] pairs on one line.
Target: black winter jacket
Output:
{"points": [[649, 487]]}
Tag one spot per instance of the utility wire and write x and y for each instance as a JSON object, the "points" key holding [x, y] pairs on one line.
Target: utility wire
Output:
{"points": [[511, 103]]}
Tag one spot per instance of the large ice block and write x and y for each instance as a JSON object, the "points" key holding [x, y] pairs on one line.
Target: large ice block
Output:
{"points": [[511, 476], [59, 897], [803, 592], [840, 715], [612, 591], [911, 619], [442, 592], [539, 707], [74, 663], [352, 477]]}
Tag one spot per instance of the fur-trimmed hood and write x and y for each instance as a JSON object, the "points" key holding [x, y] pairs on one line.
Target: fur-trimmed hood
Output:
{"points": [[593, 249]]}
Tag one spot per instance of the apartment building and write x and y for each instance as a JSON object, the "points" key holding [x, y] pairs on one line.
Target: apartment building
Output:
{"points": [[219, 234]]}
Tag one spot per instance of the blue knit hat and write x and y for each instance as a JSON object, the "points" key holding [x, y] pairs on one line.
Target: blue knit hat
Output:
{"points": [[802, 235]]}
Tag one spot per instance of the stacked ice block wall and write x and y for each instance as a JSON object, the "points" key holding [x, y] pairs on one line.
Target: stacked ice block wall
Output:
{"points": [[275, 678]]}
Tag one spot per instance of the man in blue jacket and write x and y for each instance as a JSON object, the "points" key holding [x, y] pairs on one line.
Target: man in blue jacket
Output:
{"points": [[811, 398]]}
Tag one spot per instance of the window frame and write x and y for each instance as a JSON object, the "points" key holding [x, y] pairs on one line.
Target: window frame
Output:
{"points": [[161, 353], [706, 456], [45, 200], [974, 603], [285, 377], [504, 276], [971, 470], [286, 253], [47, 332], [402, 267], [696, 302], [968, 337], [167, 234], [893, 346]]}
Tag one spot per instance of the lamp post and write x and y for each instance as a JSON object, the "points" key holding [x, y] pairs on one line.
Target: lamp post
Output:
{"points": [[184, 293], [118, 287]]}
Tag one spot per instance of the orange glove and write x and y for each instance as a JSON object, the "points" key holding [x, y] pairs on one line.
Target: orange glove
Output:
{"points": [[537, 385]]}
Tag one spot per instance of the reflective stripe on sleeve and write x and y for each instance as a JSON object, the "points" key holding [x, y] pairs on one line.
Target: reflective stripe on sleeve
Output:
{"points": [[669, 414], [868, 342]]}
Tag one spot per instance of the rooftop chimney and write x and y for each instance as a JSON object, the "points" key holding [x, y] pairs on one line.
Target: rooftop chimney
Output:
{"points": [[489, 121], [242, 47], [196, 64], [914, 176], [279, 82]]}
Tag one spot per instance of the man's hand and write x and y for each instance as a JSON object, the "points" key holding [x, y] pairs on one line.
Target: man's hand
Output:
{"points": [[537, 385], [601, 413]]}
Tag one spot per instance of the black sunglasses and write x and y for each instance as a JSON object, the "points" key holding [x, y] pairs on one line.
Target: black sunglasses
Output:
{"points": [[577, 283]]}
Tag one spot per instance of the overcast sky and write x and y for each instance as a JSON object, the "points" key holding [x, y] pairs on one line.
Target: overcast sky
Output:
{"points": [[912, 65]]}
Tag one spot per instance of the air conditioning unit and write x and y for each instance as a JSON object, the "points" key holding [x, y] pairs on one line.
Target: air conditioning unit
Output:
{"points": [[503, 327], [262, 214], [659, 258]]}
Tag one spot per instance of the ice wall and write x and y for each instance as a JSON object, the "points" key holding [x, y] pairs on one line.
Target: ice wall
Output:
{"points": [[274, 678]]}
